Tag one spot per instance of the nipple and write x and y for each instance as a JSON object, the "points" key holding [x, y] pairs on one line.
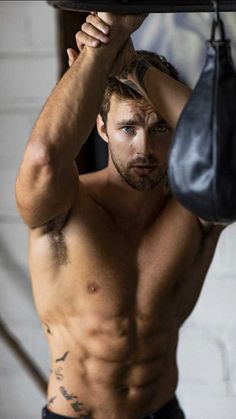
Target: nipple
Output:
{"points": [[92, 287]]}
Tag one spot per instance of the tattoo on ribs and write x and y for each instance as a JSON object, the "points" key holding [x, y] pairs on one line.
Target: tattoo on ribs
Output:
{"points": [[59, 374], [52, 400], [48, 329], [63, 357], [77, 407], [66, 395]]}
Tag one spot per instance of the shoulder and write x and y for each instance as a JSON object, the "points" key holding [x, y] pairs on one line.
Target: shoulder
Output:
{"points": [[183, 217], [90, 186], [207, 228]]}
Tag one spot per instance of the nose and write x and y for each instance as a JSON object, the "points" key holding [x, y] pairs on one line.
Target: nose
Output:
{"points": [[144, 144]]}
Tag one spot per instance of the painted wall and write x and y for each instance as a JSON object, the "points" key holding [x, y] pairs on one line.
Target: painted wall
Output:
{"points": [[28, 72]]}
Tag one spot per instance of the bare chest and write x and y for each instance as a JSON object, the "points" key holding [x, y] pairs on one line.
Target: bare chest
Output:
{"points": [[93, 265]]}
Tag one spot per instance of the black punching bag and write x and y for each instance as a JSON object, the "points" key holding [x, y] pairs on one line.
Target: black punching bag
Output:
{"points": [[202, 160], [140, 6]]}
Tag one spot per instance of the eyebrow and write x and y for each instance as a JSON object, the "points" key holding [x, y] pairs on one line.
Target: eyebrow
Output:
{"points": [[131, 121]]}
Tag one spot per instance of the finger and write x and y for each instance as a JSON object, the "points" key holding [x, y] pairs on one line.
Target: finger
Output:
{"points": [[106, 17], [80, 43], [98, 23], [72, 55], [89, 29], [83, 39]]}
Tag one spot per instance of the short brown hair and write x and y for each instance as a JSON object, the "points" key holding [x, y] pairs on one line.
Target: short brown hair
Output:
{"points": [[114, 86]]}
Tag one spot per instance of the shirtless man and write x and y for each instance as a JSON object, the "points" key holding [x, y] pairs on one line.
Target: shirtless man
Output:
{"points": [[117, 264]]}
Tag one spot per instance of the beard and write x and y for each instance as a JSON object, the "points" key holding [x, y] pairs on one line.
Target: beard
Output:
{"points": [[143, 182]]}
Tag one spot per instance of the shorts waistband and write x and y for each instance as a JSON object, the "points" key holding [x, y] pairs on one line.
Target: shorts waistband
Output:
{"points": [[170, 409]]}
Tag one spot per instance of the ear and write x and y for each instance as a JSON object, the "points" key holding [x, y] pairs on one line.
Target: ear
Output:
{"points": [[101, 127]]}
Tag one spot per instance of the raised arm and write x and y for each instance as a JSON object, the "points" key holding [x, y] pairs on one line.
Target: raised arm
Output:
{"points": [[167, 95], [47, 183]]}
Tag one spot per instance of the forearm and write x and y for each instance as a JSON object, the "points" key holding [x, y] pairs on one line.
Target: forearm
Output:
{"points": [[167, 95], [70, 112]]}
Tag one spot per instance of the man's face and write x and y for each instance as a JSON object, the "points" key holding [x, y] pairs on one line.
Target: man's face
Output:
{"points": [[139, 141]]}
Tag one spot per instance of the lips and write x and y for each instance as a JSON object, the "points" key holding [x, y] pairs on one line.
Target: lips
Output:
{"points": [[143, 170]]}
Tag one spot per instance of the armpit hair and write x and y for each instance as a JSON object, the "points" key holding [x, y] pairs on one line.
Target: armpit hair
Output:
{"points": [[56, 235]]}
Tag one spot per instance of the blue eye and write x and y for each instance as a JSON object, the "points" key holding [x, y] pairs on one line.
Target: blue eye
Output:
{"points": [[128, 130]]}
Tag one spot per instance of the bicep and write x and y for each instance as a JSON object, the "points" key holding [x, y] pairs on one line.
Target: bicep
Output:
{"points": [[43, 192]]}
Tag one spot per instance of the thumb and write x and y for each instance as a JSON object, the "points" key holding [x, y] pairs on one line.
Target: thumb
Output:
{"points": [[72, 55]]}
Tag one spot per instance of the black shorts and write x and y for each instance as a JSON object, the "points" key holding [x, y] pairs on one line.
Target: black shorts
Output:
{"points": [[171, 410]]}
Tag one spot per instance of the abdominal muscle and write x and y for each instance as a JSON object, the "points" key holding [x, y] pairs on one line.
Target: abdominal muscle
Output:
{"points": [[111, 367]]}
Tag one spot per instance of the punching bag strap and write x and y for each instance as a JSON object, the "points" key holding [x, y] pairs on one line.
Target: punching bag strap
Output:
{"points": [[218, 25]]}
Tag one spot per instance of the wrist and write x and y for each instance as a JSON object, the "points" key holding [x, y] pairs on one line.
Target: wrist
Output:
{"points": [[103, 55]]}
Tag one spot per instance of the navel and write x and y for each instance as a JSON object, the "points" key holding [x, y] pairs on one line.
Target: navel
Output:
{"points": [[123, 390]]}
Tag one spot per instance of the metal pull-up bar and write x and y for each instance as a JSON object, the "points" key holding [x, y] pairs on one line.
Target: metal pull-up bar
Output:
{"points": [[140, 6]]}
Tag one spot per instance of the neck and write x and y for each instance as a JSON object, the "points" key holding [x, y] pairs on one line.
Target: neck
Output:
{"points": [[129, 206]]}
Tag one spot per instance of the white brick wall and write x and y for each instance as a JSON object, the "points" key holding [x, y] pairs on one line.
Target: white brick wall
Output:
{"points": [[206, 353], [28, 72]]}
